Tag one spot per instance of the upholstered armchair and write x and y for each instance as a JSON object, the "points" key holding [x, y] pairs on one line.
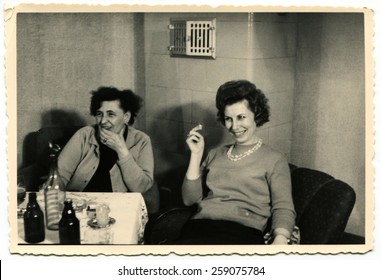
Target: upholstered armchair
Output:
{"points": [[323, 205]]}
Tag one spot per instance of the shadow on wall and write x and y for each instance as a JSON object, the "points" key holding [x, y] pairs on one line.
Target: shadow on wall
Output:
{"points": [[61, 118], [57, 126], [168, 131]]}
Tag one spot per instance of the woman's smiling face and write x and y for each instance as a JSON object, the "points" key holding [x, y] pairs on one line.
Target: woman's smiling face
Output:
{"points": [[239, 121], [111, 116]]}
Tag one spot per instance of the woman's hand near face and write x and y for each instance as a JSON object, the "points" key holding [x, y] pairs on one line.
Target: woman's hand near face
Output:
{"points": [[114, 141]]}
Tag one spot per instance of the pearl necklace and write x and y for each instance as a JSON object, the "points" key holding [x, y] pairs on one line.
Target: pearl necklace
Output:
{"points": [[245, 154]]}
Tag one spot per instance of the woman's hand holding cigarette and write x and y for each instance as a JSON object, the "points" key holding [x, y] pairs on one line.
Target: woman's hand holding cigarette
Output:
{"points": [[195, 140]]}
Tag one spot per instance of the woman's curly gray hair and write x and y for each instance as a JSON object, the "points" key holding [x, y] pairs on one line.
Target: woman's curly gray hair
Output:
{"points": [[129, 101]]}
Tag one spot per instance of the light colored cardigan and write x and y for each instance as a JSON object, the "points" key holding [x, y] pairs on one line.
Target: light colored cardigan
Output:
{"points": [[79, 160], [249, 191]]}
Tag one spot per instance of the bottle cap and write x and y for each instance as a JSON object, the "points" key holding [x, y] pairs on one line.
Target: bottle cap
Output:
{"points": [[68, 201]]}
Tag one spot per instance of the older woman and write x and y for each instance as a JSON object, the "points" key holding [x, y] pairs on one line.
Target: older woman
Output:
{"points": [[246, 182], [110, 156]]}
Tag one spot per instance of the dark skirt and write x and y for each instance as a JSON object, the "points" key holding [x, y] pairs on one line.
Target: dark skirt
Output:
{"points": [[205, 231]]}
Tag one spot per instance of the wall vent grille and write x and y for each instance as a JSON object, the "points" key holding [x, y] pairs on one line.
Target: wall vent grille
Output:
{"points": [[193, 38]]}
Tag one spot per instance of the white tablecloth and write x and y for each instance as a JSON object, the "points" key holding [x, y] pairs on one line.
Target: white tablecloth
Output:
{"points": [[128, 210]]}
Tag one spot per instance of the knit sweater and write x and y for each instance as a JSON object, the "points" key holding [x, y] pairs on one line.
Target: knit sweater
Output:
{"points": [[248, 191], [79, 160]]}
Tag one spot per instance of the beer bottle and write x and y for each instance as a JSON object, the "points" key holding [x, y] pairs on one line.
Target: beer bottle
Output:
{"points": [[34, 227], [69, 230]]}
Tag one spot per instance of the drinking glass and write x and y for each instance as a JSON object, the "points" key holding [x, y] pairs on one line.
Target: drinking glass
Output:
{"points": [[102, 214]]}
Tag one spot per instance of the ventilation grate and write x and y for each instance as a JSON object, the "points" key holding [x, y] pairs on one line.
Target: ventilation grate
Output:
{"points": [[193, 38]]}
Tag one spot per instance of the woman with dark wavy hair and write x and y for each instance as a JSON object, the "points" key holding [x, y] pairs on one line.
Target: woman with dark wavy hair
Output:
{"points": [[110, 156], [239, 187]]}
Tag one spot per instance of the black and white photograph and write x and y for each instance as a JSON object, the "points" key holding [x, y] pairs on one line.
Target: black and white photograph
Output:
{"points": [[207, 131]]}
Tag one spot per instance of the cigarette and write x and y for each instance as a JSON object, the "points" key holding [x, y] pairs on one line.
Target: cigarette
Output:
{"points": [[198, 127]]}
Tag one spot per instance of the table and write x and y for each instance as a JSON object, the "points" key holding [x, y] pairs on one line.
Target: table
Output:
{"points": [[128, 210]]}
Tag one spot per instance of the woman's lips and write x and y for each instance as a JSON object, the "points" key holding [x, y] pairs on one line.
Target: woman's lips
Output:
{"points": [[238, 133]]}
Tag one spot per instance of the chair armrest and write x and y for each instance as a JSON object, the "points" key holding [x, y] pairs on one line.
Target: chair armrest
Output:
{"points": [[33, 176], [325, 218], [166, 225], [349, 238], [152, 199]]}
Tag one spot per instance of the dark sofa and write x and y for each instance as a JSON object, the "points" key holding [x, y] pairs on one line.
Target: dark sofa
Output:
{"points": [[323, 205]]}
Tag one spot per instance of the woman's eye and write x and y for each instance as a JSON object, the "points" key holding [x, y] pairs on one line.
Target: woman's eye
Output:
{"points": [[98, 114], [241, 117]]}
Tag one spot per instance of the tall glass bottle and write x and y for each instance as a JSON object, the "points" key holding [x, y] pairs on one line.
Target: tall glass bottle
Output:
{"points": [[34, 227], [54, 192], [69, 230]]}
